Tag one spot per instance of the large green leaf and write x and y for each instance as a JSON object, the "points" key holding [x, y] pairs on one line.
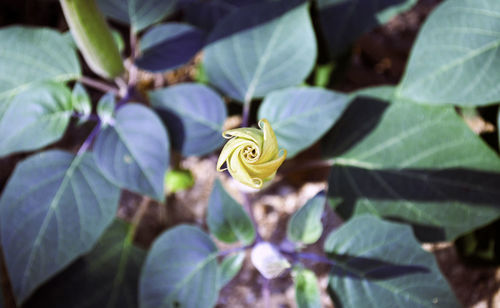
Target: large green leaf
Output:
{"points": [[261, 48], [307, 294], [194, 115], [226, 218], [456, 56], [30, 55], [168, 46], [380, 262], [106, 277], [53, 209], [360, 118], [134, 151], [416, 136], [180, 271], [305, 224], [343, 21], [300, 116], [138, 14], [35, 118], [418, 163]]}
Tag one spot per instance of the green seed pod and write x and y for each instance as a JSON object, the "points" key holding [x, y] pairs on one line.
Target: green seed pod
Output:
{"points": [[93, 37]]}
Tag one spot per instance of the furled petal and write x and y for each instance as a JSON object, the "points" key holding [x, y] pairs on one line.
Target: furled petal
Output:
{"points": [[252, 156], [227, 150], [270, 145], [265, 170], [249, 133], [238, 171]]}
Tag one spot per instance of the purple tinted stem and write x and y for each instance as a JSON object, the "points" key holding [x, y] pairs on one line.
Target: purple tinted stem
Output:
{"points": [[315, 257], [126, 98], [233, 250], [90, 138], [248, 207], [246, 114]]}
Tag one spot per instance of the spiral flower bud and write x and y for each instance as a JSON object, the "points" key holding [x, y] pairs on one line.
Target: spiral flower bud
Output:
{"points": [[251, 155]]}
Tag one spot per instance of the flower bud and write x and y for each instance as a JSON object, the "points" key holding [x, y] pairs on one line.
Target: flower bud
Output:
{"points": [[93, 37], [251, 155], [268, 261]]}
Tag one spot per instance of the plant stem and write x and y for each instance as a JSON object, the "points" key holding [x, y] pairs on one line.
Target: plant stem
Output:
{"points": [[132, 72], [246, 114], [266, 293], [247, 205], [99, 85], [233, 250], [86, 144], [136, 220], [126, 97]]}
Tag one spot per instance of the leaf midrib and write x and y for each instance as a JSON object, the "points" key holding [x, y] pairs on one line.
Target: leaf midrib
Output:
{"points": [[51, 210], [459, 61]]}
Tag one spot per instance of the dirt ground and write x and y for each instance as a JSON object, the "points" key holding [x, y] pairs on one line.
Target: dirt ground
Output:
{"points": [[379, 57]]}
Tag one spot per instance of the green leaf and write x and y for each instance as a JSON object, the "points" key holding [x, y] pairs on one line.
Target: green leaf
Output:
{"points": [[383, 93], [81, 100], [134, 151], [417, 163], [359, 119], [343, 21], [381, 262], [455, 58], [178, 180], [138, 14], [168, 46], [416, 136], [35, 118], [53, 210], [108, 276], [4, 106], [226, 218], [31, 55], [194, 115], [180, 271], [261, 48], [307, 294], [305, 224], [300, 116], [120, 43], [229, 268], [106, 109]]}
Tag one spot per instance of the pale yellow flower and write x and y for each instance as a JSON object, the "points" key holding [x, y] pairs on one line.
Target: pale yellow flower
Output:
{"points": [[251, 155], [268, 261]]}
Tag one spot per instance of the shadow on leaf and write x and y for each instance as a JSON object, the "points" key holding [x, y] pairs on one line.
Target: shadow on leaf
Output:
{"points": [[371, 269], [362, 268], [358, 120], [438, 202]]}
